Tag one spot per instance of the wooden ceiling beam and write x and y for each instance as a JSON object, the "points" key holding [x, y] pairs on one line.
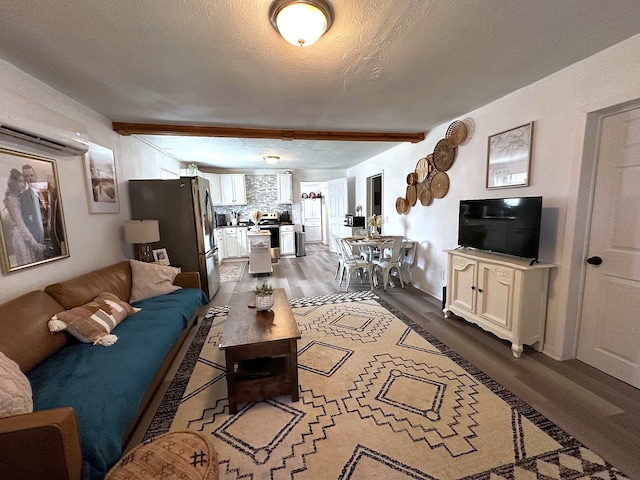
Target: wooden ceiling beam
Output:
{"points": [[127, 129]]}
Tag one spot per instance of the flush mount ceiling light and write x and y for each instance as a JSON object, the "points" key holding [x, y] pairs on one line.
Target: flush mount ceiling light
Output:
{"points": [[301, 22], [271, 159]]}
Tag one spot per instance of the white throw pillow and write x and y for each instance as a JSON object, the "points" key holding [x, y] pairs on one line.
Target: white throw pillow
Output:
{"points": [[15, 390], [150, 280]]}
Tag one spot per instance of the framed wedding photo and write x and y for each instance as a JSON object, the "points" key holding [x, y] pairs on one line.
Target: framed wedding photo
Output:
{"points": [[32, 229], [509, 157], [160, 256], [101, 180]]}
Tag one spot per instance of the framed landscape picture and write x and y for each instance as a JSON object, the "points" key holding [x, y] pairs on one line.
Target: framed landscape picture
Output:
{"points": [[32, 229], [509, 157], [101, 180]]}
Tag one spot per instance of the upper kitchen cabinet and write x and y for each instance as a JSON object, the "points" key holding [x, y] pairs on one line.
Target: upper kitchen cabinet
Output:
{"points": [[285, 190], [227, 189], [214, 188]]}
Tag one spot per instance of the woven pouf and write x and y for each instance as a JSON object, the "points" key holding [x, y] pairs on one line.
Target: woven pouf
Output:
{"points": [[180, 455]]}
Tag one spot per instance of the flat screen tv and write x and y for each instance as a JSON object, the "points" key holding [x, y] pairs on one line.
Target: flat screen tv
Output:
{"points": [[503, 225]]}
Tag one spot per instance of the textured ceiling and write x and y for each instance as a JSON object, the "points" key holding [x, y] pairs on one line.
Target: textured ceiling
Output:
{"points": [[391, 66]]}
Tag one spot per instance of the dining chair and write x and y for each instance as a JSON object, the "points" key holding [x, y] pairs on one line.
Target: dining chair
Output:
{"points": [[390, 257], [337, 241], [353, 263]]}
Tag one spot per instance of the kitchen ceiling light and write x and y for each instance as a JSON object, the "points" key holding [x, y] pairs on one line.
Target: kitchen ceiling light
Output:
{"points": [[271, 159], [301, 22]]}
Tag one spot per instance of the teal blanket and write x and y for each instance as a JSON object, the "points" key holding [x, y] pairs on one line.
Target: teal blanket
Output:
{"points": [[105, 385]]}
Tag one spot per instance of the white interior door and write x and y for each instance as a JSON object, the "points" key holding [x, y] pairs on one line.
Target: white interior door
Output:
{"points": [[338, 202], [609, 338]]}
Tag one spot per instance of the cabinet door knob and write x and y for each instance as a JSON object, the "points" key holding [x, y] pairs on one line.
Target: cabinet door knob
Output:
{"points": [[473, 288], [479, 290], [594, 260]]}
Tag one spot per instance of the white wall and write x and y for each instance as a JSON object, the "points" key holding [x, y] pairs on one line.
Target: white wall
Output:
{"points": [[559, 106], [95, 240]]}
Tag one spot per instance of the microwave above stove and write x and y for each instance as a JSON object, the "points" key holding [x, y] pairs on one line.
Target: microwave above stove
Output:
{"points": [[353, 221]]}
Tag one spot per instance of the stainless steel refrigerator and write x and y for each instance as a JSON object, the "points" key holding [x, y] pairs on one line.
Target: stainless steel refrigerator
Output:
{"points": [[184, 212]]}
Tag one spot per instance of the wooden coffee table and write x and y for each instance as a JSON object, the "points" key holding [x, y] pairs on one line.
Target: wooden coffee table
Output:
{"points": [[261, 350]]}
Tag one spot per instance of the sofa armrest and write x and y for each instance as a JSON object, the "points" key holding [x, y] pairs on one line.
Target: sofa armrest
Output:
{"points": [[188, 280], [42, 444]]}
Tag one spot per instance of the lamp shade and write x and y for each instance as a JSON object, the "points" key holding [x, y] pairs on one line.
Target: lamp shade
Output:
{"points": [[141, 231]]}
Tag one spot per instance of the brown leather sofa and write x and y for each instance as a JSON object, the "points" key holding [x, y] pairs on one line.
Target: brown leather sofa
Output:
{"points": [[45, 444]]}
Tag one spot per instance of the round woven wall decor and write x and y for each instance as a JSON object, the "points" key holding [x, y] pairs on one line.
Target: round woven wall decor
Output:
{"points": [[439, 184], [412, 195], [402, 206], [422, 169], [424, 194], [456, 133], [443, 155]]}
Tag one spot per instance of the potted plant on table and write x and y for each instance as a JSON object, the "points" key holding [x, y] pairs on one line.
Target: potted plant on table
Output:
{"points": [[264, 296]]}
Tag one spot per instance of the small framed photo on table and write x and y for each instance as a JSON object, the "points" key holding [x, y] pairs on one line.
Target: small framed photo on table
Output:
{"points": [[160, 256]]}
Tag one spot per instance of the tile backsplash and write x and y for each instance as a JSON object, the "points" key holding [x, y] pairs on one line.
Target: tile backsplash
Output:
{"points": [[262, 194]]}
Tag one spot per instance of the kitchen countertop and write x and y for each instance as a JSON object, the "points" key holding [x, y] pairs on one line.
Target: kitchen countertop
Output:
{"points": [[241, 225]]}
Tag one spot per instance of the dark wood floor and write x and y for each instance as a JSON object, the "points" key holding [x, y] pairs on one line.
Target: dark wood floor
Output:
{"points": [[600, 411]]}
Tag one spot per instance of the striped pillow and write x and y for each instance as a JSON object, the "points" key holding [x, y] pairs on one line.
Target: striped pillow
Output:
{"points": [[93, 322]]}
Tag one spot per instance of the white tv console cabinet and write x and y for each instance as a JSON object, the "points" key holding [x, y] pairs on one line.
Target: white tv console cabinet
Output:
{"points": [[504, 295]]}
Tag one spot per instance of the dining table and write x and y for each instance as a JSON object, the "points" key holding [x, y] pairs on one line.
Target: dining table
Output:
{"points": [[373, 243]]}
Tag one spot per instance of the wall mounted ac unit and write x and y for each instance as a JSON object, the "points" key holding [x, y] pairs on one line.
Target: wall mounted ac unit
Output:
{"points": [[38, 124]]}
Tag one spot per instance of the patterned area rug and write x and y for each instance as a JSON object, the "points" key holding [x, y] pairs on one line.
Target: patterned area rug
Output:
{"points": [[232, 271], [379, 398]]}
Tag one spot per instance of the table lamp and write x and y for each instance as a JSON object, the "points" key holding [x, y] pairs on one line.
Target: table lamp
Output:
{"points": [[142, 233]]}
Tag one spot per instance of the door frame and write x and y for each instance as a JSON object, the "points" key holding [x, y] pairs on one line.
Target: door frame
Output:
{"points": [[370, 180], [582, 227]]}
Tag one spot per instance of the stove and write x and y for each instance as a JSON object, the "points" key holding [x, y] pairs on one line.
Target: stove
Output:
{"points": [[269, 219], [271, 222]]}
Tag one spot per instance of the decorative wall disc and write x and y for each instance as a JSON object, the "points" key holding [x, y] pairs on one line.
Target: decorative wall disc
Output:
{"points": [[443, 155], [412, 195], [456, 133], [422, 169], [412, 178], [439, 184], [424, 194], [430, 160], [402, 206]]}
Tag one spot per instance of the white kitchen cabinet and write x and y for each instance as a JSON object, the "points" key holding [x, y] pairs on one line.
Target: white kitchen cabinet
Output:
{"points": [[259, 256], [235, 242], [285, 188], [313, 230], [503, 295], [214, 188], [287, 240], [232, 189], [312, 210], [219, 241], [227, 189]]}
